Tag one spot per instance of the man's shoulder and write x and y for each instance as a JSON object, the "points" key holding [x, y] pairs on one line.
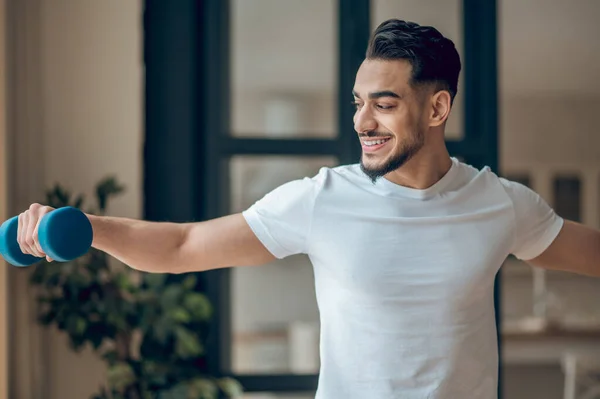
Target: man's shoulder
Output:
{"points": [[309, 186], [486, 182]]}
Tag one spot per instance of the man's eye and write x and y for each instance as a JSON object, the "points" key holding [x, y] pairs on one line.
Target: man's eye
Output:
{"points": [[356, 104], [384, 107]]}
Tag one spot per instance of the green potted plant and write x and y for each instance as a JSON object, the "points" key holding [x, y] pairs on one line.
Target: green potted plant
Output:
{"points": [[150, 329]]}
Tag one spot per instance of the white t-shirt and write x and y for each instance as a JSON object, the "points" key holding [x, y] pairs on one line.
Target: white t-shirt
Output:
{"points": [[405, 277]]}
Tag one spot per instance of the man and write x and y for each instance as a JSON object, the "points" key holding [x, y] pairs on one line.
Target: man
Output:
{"points": [[405, 245]]}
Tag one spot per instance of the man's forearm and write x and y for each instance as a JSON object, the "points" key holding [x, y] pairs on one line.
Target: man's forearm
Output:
{"points": [[145, 246]]}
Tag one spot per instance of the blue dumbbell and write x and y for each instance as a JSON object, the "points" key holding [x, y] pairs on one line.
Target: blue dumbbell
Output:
{"points": [[64, 234]]}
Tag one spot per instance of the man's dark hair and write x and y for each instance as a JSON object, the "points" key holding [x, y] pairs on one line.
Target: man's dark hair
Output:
{"points": [[433, 57]]}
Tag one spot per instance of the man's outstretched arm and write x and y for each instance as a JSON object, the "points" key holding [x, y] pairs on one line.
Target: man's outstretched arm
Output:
{"points": [[576, 249], [162, 247]]}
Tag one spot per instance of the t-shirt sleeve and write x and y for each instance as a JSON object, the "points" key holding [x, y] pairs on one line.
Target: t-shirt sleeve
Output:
{"points": [[536, 223], [282, 219]]}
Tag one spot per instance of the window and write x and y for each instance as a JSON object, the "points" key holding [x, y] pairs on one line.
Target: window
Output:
{"points": [[283, 71], [567, 197], [284, 107], [274, 316]]}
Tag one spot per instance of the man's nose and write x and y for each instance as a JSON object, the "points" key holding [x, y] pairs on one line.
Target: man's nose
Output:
{"points": [[364, 121]]}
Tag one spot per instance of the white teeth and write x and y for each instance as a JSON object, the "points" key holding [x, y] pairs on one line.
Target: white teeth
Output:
{"points": [[374, 142]]}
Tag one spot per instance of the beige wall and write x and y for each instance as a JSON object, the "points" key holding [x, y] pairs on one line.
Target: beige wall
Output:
{"points": [[549, 129], [92, 94], [78, 117]]}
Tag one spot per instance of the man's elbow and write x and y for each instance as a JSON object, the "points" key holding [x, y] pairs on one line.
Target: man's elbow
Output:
{"points": [[188, 255]]}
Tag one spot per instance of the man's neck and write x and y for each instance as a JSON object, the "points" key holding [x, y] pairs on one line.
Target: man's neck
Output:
{"points": [[422, 171]]}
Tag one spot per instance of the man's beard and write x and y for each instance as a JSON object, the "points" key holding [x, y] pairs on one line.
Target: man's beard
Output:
{"points": [[396, 159]]}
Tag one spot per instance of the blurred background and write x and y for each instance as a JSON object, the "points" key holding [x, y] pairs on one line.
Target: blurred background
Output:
{"points": [[200, 107]]}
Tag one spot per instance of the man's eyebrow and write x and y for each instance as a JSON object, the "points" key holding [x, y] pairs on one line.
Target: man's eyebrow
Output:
{"points": [[379, 94], [385, 93]]}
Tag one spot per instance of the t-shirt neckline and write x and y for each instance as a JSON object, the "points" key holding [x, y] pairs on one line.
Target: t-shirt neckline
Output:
{"points": [[392, 189]]}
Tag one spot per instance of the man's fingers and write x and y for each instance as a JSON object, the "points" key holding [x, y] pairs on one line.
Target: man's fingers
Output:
{"points": [[31, 237], [21, 231], [38, 247], [27, 231]]}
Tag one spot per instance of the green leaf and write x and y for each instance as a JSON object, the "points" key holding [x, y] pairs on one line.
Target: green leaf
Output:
{"points": [[57, 197], [76, 342], [107, 188], [53, 280], [198, 305], [76, 325], [96, 336], [189, 282], [161, 329], [179, 391], [170, 297], [122, 281], [110, 356], [39, 275], [202, 388], [187, 344], [120, 376], [116, 318], [47, 318], [232, 388], [78, 202], [155, 280], [180, 315], [155, 373], [148, 316]]}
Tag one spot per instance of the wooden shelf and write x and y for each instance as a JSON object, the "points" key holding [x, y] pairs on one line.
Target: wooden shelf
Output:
{"points": [[514, 268], [537, 329], [587, 334]]}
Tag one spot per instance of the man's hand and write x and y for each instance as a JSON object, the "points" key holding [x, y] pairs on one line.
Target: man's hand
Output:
{"points": [[576, 249], [27, 232]]}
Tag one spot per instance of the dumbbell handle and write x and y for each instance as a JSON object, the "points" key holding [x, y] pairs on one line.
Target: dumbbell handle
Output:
{"points": [[64, 234]]}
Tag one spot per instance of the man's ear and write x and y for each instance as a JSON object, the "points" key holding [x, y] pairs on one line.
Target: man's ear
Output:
{"points": [[441, 103]]}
